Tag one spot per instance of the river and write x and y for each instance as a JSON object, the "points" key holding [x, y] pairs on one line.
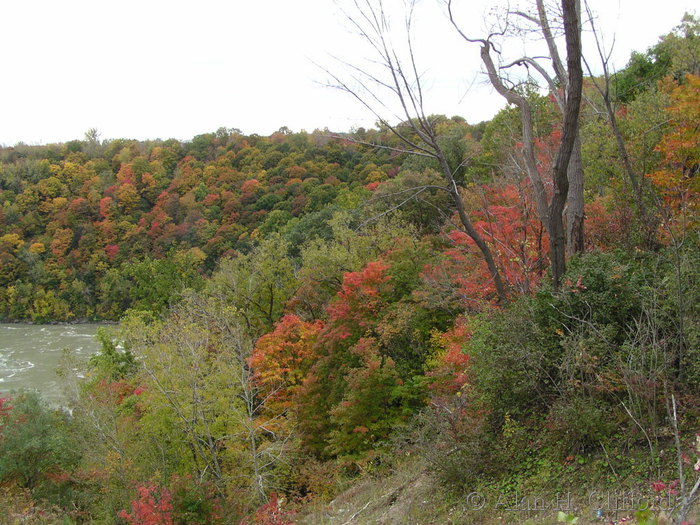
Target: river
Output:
{"points": [[31, 354]]}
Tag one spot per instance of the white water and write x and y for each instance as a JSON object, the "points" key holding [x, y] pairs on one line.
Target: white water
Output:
{"points": [[31, 354]]}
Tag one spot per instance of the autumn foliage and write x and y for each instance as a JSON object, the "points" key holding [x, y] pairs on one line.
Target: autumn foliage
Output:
{"points": [[81, 220], [271, 513], [283, 357], [153, 506], [283, 328], [507, 220], [678, 179]]}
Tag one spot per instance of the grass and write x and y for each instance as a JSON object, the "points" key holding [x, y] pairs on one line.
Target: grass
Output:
{"points": [[410, 494]]}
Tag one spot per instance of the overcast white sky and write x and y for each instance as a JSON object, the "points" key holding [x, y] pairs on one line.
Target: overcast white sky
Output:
{"points": [[169, 68]]}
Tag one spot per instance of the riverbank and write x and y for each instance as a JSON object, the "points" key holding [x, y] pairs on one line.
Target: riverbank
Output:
{"points": [[79, 321]]}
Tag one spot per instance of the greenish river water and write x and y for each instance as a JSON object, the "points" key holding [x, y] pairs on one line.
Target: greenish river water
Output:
{"points": [[30, 355]]}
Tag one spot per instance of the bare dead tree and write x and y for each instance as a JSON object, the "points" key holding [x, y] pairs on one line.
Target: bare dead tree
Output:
{"points": [[400, 80], [550, 210], [572, 31], [557, 84]]}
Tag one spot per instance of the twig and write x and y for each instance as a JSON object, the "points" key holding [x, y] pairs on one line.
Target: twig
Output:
{"points": [[357, 513]]}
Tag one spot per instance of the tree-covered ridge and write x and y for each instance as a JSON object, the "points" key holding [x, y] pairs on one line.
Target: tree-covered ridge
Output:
{"points": [[90, 228]]}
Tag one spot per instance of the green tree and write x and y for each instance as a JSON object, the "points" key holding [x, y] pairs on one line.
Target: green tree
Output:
{"points": [[258, 283], [35, 441], [200, 401]]}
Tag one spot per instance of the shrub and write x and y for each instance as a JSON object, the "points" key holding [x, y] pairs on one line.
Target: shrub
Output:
{"points": [[604, 289], [577, 425], [153, 506], [455, 439], [35, 442], [511, 362]]}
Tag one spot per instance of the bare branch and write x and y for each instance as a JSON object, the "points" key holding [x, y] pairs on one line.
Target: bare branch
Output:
{"points": [[551, 45], [538, 67], [381, 146], [388, 211], [404, 82]]}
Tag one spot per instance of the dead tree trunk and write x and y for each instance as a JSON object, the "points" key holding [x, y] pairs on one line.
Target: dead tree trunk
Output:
{"points": [[557, 241], [575, 233], [575, 241]]}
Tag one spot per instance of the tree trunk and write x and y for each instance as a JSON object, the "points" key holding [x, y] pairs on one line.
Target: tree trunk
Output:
{"points": [[575, 241], [557, 235]]}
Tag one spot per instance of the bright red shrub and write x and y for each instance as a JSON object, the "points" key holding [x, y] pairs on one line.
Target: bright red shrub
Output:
{"points": [[271, 513], [153, 506]]}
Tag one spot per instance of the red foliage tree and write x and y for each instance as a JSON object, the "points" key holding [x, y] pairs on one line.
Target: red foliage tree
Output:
{"points": [[357, 303], [106, 207], [153, 506], [363, 380], [111, 250], [271, 513], [507, 220]]}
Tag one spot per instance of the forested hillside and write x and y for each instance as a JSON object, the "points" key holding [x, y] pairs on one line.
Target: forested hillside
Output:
{"points": [[92, 228], [303, 310]]}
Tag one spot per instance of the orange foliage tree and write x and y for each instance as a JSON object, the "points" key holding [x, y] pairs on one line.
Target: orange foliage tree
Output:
{"points": [[282, 358], [678, 179]]}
